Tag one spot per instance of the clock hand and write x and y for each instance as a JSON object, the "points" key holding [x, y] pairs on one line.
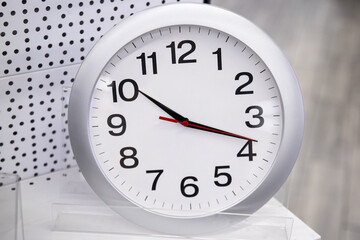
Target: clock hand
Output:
{"points": [[199, 126], [186, 123], [169, 111]]}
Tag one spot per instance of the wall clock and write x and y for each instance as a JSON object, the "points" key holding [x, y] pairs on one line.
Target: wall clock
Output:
{"points": [[185, 111]]}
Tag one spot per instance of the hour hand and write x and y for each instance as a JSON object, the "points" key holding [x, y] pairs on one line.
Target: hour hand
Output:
{"points": [[168, 110]]}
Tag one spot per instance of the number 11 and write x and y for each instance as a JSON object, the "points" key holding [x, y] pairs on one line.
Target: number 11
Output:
{"points": [[143, 62]]}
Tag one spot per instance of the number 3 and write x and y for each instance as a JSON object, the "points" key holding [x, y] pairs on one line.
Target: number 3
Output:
{"points": [[258, 116]]}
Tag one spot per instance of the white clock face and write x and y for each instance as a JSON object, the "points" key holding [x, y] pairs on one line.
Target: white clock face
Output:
{"points": [[185, 121]]}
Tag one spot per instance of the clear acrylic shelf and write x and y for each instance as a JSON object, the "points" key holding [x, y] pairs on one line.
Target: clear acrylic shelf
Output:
{"points": [[101, 219], [11, 225], [78, 209]]}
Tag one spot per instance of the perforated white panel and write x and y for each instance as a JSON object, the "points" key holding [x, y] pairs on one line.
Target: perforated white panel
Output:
{"points": [[42, 44]]}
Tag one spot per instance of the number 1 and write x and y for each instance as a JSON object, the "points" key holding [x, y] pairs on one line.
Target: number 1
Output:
{"points": [[219, 58]]}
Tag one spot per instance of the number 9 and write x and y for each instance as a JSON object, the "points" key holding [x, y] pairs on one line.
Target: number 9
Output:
{"points": [[121, 125]]}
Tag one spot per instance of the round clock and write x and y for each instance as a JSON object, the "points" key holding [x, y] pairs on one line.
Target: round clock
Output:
{"points": [[185, 111]]}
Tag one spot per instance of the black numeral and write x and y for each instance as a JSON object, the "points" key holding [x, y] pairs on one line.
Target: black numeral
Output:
{"points": [[113, 90], [173, 52], [142, 57], [184, 55], [257, 116], [121, 90], [128, 160], [239, 90], [219, 58], [224, 174], [250, 153], [183, 186], [121, 125], [158, 174]]}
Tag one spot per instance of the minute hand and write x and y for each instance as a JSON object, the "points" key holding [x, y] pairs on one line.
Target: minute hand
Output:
{"points": [[199, 126]]}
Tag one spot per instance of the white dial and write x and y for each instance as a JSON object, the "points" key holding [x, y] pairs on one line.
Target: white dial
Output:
{"points": [[185, 111], [207, 76]]}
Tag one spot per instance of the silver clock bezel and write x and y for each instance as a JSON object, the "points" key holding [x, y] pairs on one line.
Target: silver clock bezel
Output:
{"points": [[185, 14]]}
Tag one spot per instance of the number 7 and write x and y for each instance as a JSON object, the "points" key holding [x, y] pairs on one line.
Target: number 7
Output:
{"points": [[159, 172]]}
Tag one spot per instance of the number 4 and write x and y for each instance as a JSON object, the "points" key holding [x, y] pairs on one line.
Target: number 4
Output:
{"points": [[250, 153]]}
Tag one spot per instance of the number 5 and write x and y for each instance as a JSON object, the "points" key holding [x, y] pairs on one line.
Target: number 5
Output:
{"points": [[225, 174]]}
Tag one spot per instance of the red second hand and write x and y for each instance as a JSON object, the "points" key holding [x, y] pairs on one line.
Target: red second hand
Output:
{"points": [[169, 119], [185, 123]]}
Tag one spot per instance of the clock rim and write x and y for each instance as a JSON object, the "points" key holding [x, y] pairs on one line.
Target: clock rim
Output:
{"points": [[185, 14]]}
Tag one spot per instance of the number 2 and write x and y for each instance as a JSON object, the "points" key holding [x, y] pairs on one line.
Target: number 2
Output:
{"points": [[239, 90]]}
